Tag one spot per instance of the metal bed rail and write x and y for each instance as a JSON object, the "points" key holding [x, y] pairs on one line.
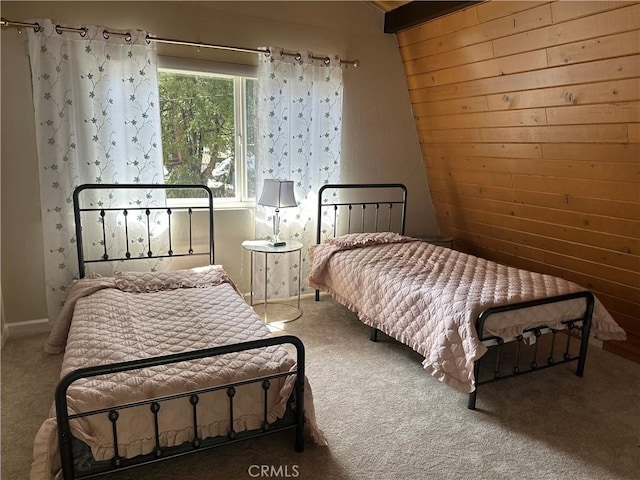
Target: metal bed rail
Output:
{"points": [[582, 323], [159, 453]]}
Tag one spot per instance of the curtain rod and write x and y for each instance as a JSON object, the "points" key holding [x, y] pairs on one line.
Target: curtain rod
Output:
{"points": [[106, 34]]}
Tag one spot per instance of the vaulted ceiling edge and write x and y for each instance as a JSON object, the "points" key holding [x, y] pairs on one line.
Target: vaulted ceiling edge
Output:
{"points": [[414, 13]]}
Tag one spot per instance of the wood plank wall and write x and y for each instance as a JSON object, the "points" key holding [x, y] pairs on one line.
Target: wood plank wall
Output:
{"points": [[528, 115]]}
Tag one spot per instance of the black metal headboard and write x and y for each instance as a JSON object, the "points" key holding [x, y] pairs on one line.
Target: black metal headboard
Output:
{"points": [[132, 223], [378, 207]]}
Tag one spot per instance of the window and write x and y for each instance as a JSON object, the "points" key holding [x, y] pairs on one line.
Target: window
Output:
{"points": [[208, 128]]}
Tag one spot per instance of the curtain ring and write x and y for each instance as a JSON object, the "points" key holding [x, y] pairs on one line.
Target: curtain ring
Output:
{"points": [[36, 28], [298, 58], [127, 36], [57, 29], [327, 61], [84, 31], [148, 39]]}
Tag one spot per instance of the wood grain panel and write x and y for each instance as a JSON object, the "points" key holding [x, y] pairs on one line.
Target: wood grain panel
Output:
{"points": [[600, 92], [474, 104], [602, 113], [491, 10], [602, 171], [490, 68], [627, 43], [490, 119], [463, 56], [607, 23], [569, 249], [567, 133], [572, 203], [540, 168], [622, 191], [563, 11], [629, 323], [506, 150], [612, 69], [459, 20], [482, 178], [586, 222], [462, 219], [592, 152], [519, 22]]}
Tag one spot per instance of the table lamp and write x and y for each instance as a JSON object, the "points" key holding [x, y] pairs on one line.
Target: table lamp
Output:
{"points": [[279, 194]]}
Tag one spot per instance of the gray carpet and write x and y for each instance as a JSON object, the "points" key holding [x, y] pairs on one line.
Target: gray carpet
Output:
{"points": [[386, 418]]}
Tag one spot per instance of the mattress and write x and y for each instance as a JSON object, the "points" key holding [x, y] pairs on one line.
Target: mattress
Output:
{"points": [[133, 316], [428, 297]]}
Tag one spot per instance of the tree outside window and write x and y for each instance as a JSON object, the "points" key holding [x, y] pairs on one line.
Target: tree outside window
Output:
{"points": [[207, 132]]}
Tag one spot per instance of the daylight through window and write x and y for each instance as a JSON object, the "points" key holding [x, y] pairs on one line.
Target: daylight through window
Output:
{"points": [[208, 132]]}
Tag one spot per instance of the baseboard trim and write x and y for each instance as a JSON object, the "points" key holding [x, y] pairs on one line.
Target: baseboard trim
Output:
{"points": [[39, 325]]}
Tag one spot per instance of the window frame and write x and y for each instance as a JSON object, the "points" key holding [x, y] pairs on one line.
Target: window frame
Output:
{"points": [[239, 74]]}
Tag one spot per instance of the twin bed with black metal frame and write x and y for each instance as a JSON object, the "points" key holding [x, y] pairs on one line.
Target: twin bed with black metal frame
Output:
{"points": [[182, 381], [458, 311]]}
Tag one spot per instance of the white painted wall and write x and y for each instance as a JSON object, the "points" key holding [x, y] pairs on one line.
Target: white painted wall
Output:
{"points": [[380, 143]]}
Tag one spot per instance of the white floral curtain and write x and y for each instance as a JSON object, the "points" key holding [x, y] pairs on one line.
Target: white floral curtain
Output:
{"points": [[299, 139], [95, 94]]}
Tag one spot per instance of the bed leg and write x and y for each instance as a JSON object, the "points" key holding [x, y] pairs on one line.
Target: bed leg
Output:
{"points": [[374, 334], [471, 404], [586, 330], [317, 295], [299, 387], [299, 440], [582, 358]]}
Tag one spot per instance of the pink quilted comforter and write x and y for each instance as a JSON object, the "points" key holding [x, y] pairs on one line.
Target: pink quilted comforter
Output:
{"points": [[137, 315], [428, 298]]}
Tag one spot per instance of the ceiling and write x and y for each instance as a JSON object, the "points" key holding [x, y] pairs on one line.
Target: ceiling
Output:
{"points": [[387, 6]]}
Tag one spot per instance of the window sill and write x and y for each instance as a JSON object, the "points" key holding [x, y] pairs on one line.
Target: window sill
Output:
{"points": [[233, 205], [217, 205]]}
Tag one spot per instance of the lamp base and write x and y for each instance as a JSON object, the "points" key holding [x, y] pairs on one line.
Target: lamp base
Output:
{"points": [[275, 239]]}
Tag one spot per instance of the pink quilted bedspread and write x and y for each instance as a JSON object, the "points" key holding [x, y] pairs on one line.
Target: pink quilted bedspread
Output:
{"points": [[428, 298], [135, 316]]}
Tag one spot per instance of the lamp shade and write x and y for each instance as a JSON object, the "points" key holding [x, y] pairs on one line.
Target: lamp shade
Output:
{"points": [[278, 194]]}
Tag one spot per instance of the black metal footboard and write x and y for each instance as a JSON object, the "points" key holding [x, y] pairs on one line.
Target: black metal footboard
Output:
{"points": [[155, 404], [582, 323]]}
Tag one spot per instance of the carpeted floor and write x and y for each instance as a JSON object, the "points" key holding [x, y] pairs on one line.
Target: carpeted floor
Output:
{"points": [[386, 418]]}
